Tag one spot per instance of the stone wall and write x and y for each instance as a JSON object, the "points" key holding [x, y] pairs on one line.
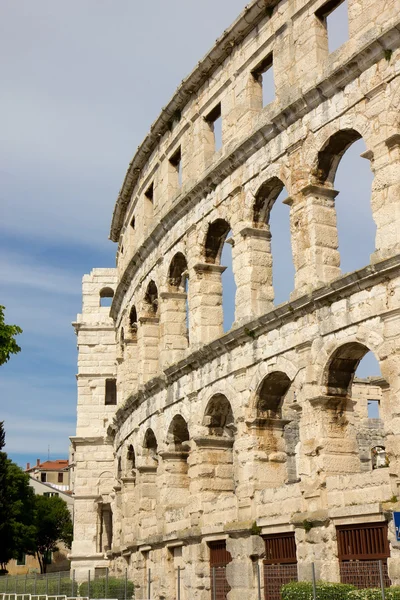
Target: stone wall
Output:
{"points": [[262, 429]]}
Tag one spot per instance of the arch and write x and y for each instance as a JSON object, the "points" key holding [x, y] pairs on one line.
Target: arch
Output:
{"points": [[219, 417], [150, 442], [151, 298], [178, 433], [332, 152], [342, 365], [133, 319], [214, 242], [177, 273], [271, 395], [130, 458], [264, 200]]}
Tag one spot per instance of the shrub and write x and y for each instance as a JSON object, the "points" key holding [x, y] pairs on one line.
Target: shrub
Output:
{"points": [[303, 590], [115, 588], [392, 593]]}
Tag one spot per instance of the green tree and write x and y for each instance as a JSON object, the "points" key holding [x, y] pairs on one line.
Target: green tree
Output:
{"points": [[17, 504], [53, 525], [8, 345]]}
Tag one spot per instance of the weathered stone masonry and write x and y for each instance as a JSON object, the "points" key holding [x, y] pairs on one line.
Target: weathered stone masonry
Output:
{"points": [[187, 436]]}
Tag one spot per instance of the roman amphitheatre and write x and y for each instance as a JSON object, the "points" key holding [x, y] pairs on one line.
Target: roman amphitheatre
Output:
{"points": [[252, 449]]}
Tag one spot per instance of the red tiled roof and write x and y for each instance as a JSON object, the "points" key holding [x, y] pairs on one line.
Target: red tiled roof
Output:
{"points": [[51, 465]]}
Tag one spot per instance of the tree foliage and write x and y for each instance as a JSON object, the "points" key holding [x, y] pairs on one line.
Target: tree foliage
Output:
{"points": [[17, 506], [8, 345], [53, 524]]}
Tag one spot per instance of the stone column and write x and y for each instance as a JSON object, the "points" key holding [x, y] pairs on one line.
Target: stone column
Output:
{"points": [[173, 327], [241, 572], [205, 300], [329, 438], [314, 237], [148, 348], [385, 200], [252, 268], [147, 500], [173, 479]]}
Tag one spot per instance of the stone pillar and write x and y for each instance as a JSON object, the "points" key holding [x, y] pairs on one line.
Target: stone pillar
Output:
{"points": [[241, 572], [173, 479], [329, 438], [173, 327], [129, 511], [314, 238], [252, 268], [385, 200], [147, 500], [148, 347], [205, 300]]}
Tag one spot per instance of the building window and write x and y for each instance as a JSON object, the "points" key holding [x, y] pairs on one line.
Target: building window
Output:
{"points": [[111, 392], [176, 162], [149, 193], [21, 560], [373, 409], [264, 76], [334, 16], [60, 477], [43, 477], [214, 120], [133, 223], [106, 296]]}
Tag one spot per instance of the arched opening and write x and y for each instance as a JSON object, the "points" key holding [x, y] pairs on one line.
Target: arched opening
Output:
{"points": [[340, 165], [351, 385], [277, 429], [150, 444], [133, 323], [178, 434], [273, 216], [368, 390], [130, 460], [151, 299], [174, 477], [218, 417], [106, 296], [214, 452], [218, 251], [176, 307], [149, 335]]}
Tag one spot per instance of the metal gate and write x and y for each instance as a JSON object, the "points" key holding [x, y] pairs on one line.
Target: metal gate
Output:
{"points": [[361, 548], [280, 563], [219, 558]]}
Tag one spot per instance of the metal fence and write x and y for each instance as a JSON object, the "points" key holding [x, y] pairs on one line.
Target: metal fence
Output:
{"points": [[64, 584], [269, 579]]}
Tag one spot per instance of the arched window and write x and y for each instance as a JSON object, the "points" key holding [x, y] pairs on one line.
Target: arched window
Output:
{"points": [[271, 395], [219, 416], [151, 299], [177, 274], [133, 323], [150, 443], [218, 251], [106, 296], [272, 215], [130, 462], [340, 165], [178, 284], [178, 433]]}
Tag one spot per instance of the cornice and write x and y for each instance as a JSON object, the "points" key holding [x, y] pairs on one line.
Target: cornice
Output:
{"points": [[249, 333], [309, 99]]}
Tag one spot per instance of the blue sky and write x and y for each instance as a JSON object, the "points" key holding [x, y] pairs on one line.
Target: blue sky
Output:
{"points": [[81, 84]]}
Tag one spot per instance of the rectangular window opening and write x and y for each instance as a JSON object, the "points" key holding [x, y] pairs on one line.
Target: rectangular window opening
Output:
{"points": [[111, 392], [133, 223], [214, 120], [21, 560], [43, 477], [149, 193], [176, 161], [60, 477], [373, 409], [334, 15], [264, 75]]}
